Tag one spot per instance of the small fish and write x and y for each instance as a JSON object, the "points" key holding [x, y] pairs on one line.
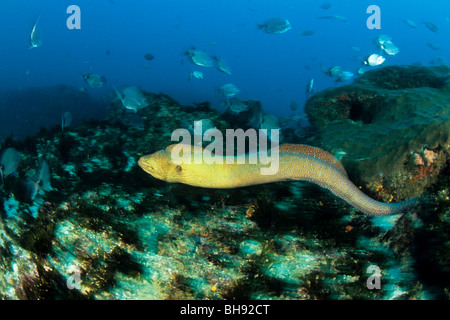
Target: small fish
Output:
{"points": [[35, 37], [94, 80], [9, 159], [310, 88], [199, 128], [345, 76], [40, 181], [269, 122], [132, 98], [196, 75], [237, 106], [335, 71], [339, 154], [374, 60], [438, 61], [434, 46], [222, 65], [203, 125], [390, 48], [307, 33], [361, 70], [276, 25], [298, 117], [410, 23], [229, 90], [149, 56], [200, 58], [43, 176], [66, 120], [293, 106], [334, 17], [432, 27], [381, 39]]}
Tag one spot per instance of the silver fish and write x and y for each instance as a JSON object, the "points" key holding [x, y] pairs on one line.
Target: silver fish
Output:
{"points": [[390, 48], [345, 76], [334, 17], [200, 58], [310, 87], [35, 37], [434, 45], [335, 71], [196, 75], [269, 122], [276, 25], [410, 23], [9, 159], [432, 26], [40, 181], [132, 98], [66, 120], [229, 90], [236, 105], [374, 60], [381, 39], [94, 80], [222, 65]]}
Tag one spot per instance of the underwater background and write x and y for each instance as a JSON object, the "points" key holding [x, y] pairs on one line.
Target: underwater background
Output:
{"points": [[79, 219]]}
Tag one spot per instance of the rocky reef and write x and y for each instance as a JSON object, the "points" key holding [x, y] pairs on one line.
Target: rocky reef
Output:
{"points": [[390, 128], [391, 131], [107, 230]]}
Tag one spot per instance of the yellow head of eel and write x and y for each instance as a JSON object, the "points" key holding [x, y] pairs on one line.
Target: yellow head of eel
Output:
{"points": [[161, 166]]}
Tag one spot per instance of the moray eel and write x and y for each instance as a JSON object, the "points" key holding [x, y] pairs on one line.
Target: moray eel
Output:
{"points": [[296, 163]]}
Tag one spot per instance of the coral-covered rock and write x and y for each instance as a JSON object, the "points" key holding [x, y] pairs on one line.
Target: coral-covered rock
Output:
{"points": [[391, 126]]}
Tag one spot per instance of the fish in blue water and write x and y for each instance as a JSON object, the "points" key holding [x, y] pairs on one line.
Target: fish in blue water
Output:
{"points": [[9, 159], [94, 80], [432, 26], [66, 120], [35, 36], [310, 87], [276, 25], [229, 90]]}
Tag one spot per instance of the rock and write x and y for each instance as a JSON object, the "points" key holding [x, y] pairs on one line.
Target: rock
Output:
{"points": [[250, 247], [381, 121]]}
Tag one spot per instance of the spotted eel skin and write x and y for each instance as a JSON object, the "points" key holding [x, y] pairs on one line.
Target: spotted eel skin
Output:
{"points": [[296, 162]]}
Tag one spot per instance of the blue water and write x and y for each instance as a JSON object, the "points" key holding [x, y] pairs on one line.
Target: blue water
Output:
{"points": [[272, 68]]}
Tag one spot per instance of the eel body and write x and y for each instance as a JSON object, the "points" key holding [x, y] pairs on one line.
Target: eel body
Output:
{"points": [[295, 162]]}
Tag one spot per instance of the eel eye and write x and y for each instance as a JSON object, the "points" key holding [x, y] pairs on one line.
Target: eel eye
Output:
{"points": [[178, 168]]}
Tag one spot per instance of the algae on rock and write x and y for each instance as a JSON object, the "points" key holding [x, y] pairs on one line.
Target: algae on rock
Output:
{"points": [[381, 121]]}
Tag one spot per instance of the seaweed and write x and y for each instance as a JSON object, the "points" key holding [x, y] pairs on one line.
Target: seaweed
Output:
{"points": [[38, 234], [46, 284]]}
